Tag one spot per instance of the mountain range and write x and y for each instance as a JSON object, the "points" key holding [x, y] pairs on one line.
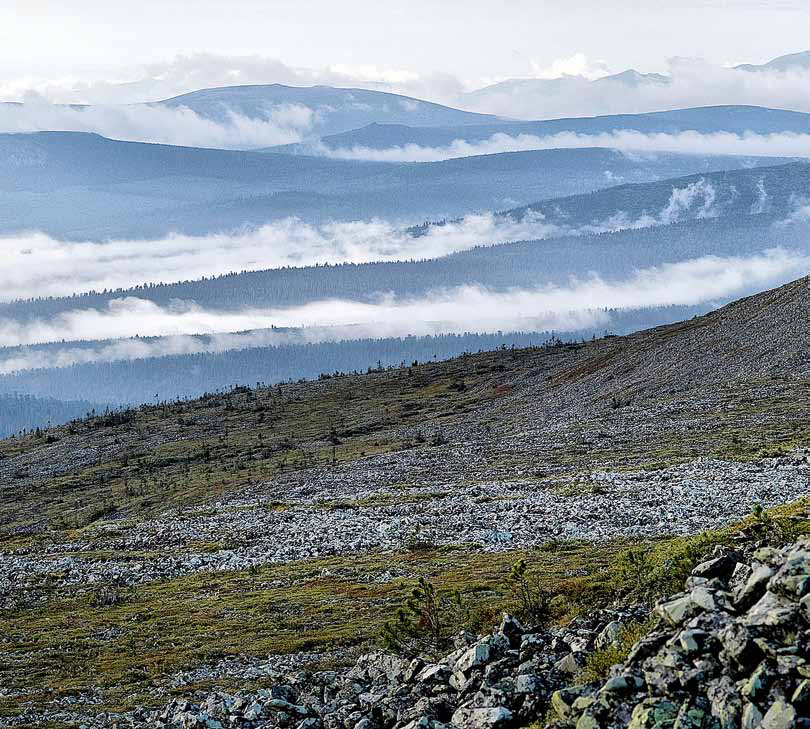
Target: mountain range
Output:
{"points": [[78, 186], [739, 120]]}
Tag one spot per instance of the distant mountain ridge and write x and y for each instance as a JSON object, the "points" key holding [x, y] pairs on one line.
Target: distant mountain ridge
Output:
{"points": [[735, 119], [75, 185], [789, 62]]}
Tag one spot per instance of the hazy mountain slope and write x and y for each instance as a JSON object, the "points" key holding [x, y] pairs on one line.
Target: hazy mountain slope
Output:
{"points": [[705, 120], [48, 161], [762, 336], [521, 264], [217, 526], [790, 62], [634, 78], [777, 190], [77, 185], [25, 412], [615, 257], [334, 109], [138, 380]]}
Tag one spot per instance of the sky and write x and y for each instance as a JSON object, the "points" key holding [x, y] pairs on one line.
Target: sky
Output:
{"points": [[467, 42]]}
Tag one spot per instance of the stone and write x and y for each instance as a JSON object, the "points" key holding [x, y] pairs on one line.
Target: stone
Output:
{"points": [[725, 700], [653, 713], [586, 721], [739, 646], [678, 611], [751, 717], [433, 673], [626, 683], [286, 707], [562, 701], [781, 715], [756, 687], [512, 628], [570, 663], [694, 716], [754, 587], [771, 610], [475, 656], [482, 718], [793, 578], [692, 641], [801, 697], [609, 634], [722, 567], [527, 684]]}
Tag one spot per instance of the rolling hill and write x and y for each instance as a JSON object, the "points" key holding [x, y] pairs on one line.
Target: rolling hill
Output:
{"points": [[790, 62], [199, 537], [76, 185], [27, 413], [704, 120], [334, 109]]}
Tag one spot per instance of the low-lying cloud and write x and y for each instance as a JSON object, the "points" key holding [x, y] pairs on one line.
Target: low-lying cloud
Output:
{"points": [[39, 265], [784, 144], [577, 305], [568, 87], [281, 124], [193, 71], [690, 82]]}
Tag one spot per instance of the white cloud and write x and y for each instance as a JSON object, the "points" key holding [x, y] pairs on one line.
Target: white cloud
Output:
{"points": [[784, 144], [283, 124], [39, 265], [576, 65], [693, 82], [569, 307], [190, 72]]}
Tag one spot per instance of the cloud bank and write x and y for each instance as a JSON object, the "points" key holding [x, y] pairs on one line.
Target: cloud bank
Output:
{"points": [[190, 72], [570, 307], [283, 124], [39, 265], [574, 86], [774, 145], [43, 266], [692, 82]]}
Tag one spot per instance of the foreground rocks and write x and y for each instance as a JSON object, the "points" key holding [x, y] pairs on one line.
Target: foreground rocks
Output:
{"points": [[503, 679], [377, 514], [732, 650]]}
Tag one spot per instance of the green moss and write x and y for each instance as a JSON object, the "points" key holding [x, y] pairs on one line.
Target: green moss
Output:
{"points": [[599, 663]]}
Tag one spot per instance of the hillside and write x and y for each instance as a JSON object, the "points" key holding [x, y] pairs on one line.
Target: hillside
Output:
{"points": [[704, 120], [26, 412], [791, 62], [335, 109], [82, 186], [199, 517]]}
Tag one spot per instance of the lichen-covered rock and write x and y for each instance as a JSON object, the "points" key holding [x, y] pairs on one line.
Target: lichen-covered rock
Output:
{"points": [[732, 651]]}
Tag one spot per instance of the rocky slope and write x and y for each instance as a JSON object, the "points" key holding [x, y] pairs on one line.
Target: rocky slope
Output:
{"points": [[218, 542], [732, 650]]}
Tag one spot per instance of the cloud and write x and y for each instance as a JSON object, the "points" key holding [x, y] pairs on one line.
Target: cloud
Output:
{"points": [[282, 124], [190, 72], [576, 305], [38, 265], [692, 82], [785, 144], [576, 65]]}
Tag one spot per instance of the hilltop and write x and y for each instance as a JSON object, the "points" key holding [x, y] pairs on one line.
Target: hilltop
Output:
{"points": [[181, 543]]}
